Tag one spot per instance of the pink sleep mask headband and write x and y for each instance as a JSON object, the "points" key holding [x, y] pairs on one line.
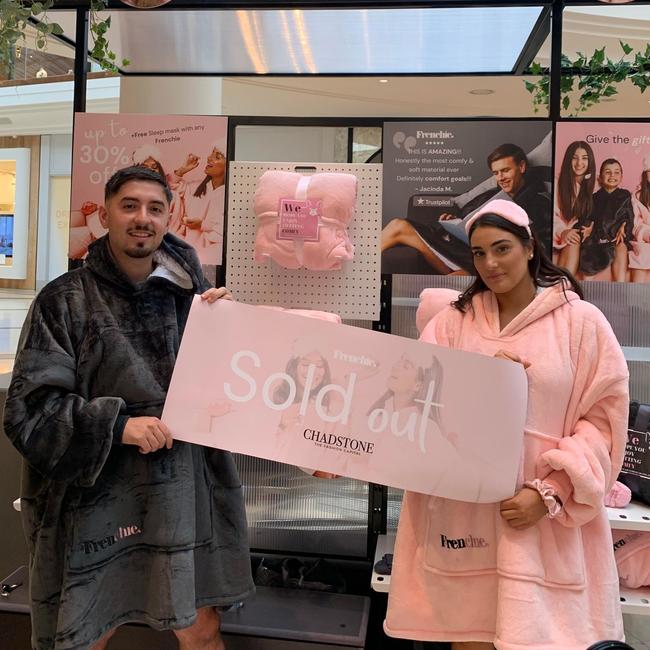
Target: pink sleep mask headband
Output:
{"points": [[508, 210]]}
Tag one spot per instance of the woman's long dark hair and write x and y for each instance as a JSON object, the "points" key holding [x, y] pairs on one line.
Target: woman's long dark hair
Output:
{"points": [[202, 186], [425, 376], [581, 206], [644, 190], [543, 272], [281, 393]]}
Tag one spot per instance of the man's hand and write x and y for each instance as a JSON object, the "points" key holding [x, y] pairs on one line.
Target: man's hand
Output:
{"points": [[212, 295], [511, 356], [523, 510], [148, 433]]}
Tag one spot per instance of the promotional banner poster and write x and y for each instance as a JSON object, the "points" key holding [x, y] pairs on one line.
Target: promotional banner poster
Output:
{"points": [[349, 401], [437, 174], [601, 226], [188, 150]]}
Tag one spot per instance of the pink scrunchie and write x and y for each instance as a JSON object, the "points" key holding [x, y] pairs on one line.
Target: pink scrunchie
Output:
{"points": [[548, 495]]}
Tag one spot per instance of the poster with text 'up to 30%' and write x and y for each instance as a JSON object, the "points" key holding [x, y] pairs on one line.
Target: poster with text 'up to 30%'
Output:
{"points": [[189, 151], [348, 401]]}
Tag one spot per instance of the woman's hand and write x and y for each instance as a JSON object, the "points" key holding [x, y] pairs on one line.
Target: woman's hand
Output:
{"points": [[511, 356], [620, 235], [192, 224], [191, 162], [523, 510], [587, 230], [570, 236], [319, 474], [212, 295]]}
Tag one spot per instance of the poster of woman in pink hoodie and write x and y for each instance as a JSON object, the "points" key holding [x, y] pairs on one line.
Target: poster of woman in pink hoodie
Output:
{"points": [[172, 145]]}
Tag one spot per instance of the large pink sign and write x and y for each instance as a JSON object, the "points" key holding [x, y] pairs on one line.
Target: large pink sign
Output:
{"points": [[349, 401], [188, 150]]}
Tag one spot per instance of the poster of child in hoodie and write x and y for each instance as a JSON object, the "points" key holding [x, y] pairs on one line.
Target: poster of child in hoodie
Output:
{"points": [[188, 151], [602, 201]]}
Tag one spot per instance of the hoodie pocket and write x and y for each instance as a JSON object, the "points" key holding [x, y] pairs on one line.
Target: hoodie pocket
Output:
{"points": [[547, 553], [460, 538], [156, 504]]}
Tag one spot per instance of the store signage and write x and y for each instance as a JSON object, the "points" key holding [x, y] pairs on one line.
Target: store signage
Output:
{"points": [[436, 175], [348, 401], [298, 220]]}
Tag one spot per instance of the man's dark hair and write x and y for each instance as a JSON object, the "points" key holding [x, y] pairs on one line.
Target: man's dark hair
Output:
{"points": [[507, 150], [135, 173]]}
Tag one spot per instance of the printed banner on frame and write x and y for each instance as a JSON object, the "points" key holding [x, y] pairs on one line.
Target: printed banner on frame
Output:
{"points": [[437, 174], [601, 225], [188, 150], [349, 401]]}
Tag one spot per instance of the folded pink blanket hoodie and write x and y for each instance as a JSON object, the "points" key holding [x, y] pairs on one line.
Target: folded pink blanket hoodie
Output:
{"points": [[338, 193], [553, 586], [632, 554]]}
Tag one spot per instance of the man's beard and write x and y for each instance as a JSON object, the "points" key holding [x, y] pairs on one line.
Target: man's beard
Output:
{"points": [[139, 251]]}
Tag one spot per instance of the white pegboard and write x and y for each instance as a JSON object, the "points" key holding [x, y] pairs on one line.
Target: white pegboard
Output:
{"points": [[352, 292]]}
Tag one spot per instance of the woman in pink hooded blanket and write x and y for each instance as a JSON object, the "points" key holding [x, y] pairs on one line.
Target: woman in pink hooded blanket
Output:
{"points": [[544, 576]]}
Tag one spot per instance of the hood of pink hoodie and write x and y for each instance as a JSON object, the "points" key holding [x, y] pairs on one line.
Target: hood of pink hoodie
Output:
{"points": [[486, 310]]}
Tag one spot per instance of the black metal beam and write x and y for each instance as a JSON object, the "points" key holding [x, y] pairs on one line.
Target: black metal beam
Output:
{"points": [[554, 96], [177, 5], [81, 61], [535, 40]]}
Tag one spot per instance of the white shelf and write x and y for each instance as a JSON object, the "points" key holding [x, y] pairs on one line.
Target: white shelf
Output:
{"points": [[635, 516], [635, 601], [385, 544]]}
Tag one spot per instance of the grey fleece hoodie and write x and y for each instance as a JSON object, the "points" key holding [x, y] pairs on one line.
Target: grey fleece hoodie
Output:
{"points": [[115, 535]]}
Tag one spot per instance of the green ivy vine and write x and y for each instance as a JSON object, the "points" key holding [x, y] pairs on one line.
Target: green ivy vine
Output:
{"points": [[15, 16], [596, 77]]}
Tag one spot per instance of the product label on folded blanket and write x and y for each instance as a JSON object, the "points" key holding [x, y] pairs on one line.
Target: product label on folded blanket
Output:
{"points": [[299, 219], [348, 401]]}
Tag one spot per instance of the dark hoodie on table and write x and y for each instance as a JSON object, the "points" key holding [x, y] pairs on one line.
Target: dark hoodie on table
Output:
{"points": [[115, 535]]}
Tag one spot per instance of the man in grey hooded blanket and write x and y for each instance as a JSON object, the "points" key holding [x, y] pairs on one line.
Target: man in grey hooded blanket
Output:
{"points": [[122, 523]]}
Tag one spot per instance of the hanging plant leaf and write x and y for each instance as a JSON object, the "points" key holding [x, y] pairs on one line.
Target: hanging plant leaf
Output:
{"points": [[597, 77]]}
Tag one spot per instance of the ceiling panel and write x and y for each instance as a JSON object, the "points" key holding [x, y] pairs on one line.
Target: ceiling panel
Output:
{"points": [[323, 41]]}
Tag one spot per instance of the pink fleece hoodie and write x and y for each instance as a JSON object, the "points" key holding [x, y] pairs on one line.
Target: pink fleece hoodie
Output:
{"points": [[553, 586]]}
